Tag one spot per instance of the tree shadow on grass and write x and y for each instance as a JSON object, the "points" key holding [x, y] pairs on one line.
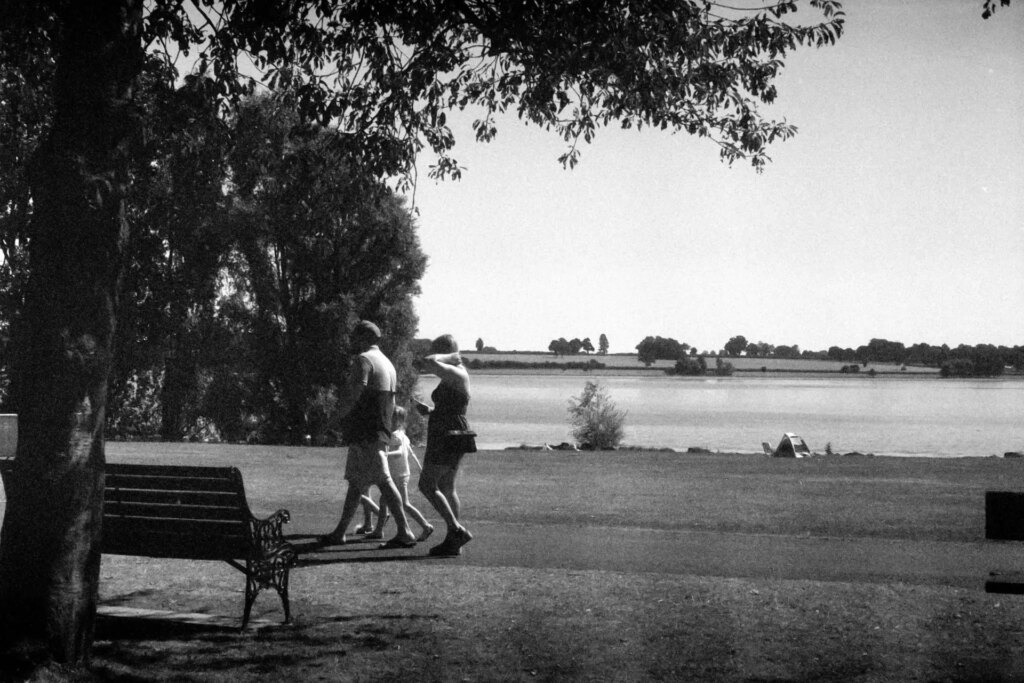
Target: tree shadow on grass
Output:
{"points": [[123, 628], [130, 628], [132, 651], [129, 649], [127, 598]]}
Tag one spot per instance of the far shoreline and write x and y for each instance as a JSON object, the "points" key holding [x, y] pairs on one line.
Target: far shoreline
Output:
{"points": [[626, 365], [661, 372], [694, 451]]}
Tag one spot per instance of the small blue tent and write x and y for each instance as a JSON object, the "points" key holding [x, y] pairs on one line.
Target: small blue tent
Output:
{"points": [[791, 446]]}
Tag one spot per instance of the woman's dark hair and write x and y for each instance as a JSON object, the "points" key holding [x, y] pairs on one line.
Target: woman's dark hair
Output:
{"points": [[444, 344]]}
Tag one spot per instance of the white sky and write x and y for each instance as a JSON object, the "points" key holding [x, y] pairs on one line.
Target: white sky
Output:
{"points": [[896, 212]]}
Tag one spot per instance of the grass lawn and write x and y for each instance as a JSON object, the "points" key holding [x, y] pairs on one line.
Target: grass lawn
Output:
{"points": [[449, 620]]}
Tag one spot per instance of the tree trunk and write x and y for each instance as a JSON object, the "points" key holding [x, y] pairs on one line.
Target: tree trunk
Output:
{"points": [[49, 552]]}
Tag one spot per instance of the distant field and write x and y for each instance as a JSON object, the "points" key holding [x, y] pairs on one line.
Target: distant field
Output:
{"points": [[743, 364]]}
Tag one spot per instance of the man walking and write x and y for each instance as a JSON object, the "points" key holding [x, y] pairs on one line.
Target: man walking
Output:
{"points": [[368, 407]]}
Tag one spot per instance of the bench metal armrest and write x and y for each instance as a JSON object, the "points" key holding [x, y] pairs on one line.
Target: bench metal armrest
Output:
{"points": [[267, 534]]}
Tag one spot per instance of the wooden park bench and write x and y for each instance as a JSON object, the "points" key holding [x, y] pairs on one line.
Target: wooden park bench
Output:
{"points": [[1004, 521], [191, 513]]}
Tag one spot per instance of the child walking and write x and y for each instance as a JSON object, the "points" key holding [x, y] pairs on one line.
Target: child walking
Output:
{"points": [[370, 509], [399, 452]]}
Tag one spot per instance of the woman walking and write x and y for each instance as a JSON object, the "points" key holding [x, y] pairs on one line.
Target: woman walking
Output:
{"points": [[448, 439]]}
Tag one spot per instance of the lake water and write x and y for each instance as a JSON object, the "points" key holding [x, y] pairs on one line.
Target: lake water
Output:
{"points": [[897, 416]]}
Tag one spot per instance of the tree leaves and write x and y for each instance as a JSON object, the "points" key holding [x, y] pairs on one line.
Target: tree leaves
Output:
{"points": [[990, 7], [381, 71]]}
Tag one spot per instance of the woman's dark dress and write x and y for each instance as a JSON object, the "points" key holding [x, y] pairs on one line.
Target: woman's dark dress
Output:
{"points": [[449, 415]]}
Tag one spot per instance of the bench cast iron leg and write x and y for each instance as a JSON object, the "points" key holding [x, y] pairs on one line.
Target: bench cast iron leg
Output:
{"points": [[269, 573], [252, 589]]}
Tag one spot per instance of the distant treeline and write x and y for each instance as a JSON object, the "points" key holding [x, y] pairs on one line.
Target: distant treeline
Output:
{"points": [[982, 360], [477, 364], [571, 347]]}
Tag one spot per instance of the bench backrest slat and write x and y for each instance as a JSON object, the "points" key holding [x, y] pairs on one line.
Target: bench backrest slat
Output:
{"points": [[175, 497], [169, 482], [186, 526], [172, 510], [182, 471]]}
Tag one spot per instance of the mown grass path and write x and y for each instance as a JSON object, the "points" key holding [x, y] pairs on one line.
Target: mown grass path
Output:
{"points": [[710, 554], [602, 567], [908, 520], [913, 520]]}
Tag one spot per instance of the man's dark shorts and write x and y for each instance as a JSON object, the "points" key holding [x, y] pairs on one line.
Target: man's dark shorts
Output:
{"points": [[367, 464]]}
